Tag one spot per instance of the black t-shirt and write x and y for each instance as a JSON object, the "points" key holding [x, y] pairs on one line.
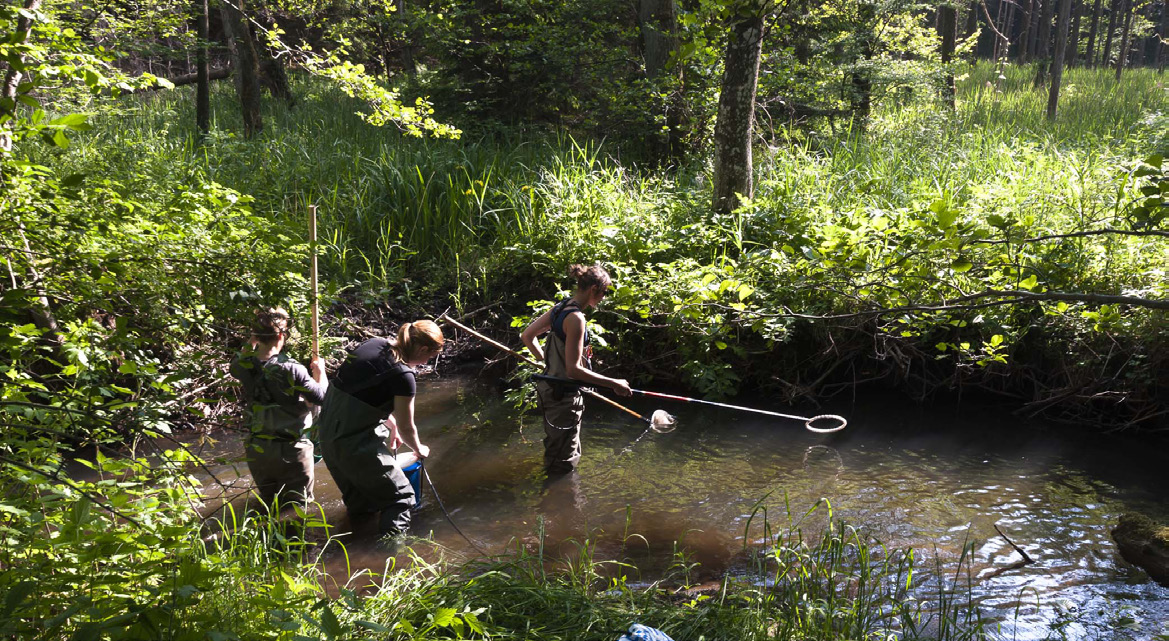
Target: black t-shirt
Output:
{"points": [[371, 375]]}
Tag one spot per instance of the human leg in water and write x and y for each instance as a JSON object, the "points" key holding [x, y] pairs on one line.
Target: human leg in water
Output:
{"points": [[562, 419]]}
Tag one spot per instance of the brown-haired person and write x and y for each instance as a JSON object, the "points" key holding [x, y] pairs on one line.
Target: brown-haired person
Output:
{"points": [[375, 386], [276, 391], [567, 355]]}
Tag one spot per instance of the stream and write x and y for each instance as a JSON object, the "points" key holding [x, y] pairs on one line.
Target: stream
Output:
{"points": [[932, 479]]}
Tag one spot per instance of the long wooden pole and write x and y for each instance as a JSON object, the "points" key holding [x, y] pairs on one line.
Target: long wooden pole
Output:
{"points": [[312, 242], [533, 363]]}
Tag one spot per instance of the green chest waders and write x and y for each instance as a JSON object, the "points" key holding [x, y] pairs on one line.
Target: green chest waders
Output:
{"points": [[563, 408], [359, 461]]}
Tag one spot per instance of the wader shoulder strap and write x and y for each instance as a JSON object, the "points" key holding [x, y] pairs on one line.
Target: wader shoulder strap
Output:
{"points": [[560, 312]]}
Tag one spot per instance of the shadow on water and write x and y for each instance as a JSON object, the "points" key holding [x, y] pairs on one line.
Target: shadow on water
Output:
{"points": [[932, 480]]}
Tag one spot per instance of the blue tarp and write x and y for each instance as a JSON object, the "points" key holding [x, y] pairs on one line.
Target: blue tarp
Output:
{"points": [[639, 632]]}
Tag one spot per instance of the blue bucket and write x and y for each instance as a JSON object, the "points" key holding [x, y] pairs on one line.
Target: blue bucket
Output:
{"points": [[412, 467]]}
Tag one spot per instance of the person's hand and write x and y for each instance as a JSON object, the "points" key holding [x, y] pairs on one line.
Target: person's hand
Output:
{"points": [[318, 369], [621, 386], [423, 451], [395, 441]]}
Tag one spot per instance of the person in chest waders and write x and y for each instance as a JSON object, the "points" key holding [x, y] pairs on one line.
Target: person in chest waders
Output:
{"points": [[374, 387], [276, 391], [567, 355]]}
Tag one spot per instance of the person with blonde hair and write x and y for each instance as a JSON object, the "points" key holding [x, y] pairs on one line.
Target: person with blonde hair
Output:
{"points": [[372, 399], [276, 393], [567, 355]]}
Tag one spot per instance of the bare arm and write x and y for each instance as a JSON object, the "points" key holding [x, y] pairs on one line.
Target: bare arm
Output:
{"points": [[574, 348], [533, 331], [403, 418]]}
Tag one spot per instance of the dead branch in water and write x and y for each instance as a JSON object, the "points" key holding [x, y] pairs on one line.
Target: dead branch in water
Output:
{"points": [[1027, 560]]}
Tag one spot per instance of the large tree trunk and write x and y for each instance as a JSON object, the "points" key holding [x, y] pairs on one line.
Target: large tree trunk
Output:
{"points": [[657, 21], [13, 75], [736, 110], [948, 27], [1162, 34], [1090, 50], [1061, 38], [1122, 54], [247, 65], [203, 80]]}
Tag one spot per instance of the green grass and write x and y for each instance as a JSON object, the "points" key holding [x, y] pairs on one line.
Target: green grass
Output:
{"points": [[842, 585], [841, 221]]}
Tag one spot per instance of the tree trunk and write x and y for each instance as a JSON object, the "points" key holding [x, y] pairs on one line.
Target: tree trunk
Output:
{"points": [[1008, 27], [998, 44], [1150, 44], [862, 82], [1122, 54], [274, 77], [1025, 31], [1073, 46], [13, 75], [1113, 14], [203, 80], [1090, 50], [971, 21], [656, 19], [736, 110], [1032, 39], [948, 26], [247, 65], [1164, 33], [659, 27], [1061, 38], [1043, 44], [406, 53]]}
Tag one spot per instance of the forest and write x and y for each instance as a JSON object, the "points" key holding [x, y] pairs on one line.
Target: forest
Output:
{"points": [[956, 204]]}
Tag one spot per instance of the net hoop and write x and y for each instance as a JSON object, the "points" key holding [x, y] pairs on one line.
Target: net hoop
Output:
{"points": [[825, 430]]}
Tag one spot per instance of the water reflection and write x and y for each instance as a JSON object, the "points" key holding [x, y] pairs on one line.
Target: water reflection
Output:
{"points": [[934, 481]]}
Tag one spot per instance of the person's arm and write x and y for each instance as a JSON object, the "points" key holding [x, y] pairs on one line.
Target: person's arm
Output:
{"points": [[533, 331], [309, 389], [395, 438], [403, 418], [574, 348]]}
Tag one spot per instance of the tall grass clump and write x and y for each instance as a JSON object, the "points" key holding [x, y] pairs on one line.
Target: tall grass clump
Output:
{"points": [[843, 587], [911, 210]]}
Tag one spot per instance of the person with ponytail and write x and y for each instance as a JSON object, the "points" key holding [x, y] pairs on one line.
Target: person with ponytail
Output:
{"points": [[276, 393], [566, 355], [372, 399]]}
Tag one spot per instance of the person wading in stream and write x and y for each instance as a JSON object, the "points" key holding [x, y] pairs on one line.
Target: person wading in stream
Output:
{"points": [[567, 356], [374, 387], [276, 391]]}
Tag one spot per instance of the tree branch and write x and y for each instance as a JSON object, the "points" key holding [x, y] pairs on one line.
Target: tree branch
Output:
{"points": [[1079, 234], [97, 500]]}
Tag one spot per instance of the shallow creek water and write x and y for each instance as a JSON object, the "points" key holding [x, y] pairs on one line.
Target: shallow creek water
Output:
{"points": [[931, 479]]}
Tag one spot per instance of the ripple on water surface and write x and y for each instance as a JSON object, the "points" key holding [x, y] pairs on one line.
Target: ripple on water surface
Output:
{"points": [[936, 482]]}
